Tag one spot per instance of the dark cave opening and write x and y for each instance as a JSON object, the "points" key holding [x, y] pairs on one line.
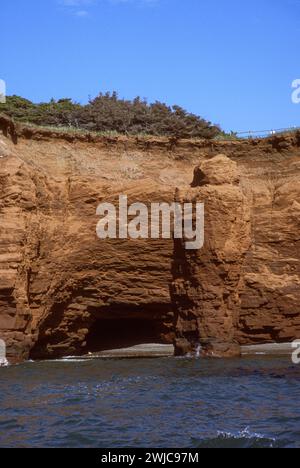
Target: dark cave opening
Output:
{"points": [[107, 328], [108, 334]]}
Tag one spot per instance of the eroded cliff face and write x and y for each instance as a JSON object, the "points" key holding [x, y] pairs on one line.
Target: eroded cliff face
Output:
{"points": [[207, 282], [63, 291]]}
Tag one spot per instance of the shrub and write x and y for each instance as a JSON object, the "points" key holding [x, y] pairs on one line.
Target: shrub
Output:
{"points": [[107, 112]]}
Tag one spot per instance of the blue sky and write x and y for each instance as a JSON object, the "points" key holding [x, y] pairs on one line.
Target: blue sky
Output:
{"points": [[232, 62]]}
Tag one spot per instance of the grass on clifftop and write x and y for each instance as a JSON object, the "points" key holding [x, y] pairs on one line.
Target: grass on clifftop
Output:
{"points": [[107, 114]]}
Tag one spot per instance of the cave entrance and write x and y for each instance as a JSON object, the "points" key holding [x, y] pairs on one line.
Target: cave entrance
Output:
{"points": [[105, 328], [108, 334]]}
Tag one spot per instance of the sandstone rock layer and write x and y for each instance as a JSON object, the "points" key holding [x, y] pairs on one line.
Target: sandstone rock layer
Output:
{"points": [[64, 292], [207, 282]]}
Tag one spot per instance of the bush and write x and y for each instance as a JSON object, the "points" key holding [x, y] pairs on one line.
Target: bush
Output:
{"points": [[107, 113]]}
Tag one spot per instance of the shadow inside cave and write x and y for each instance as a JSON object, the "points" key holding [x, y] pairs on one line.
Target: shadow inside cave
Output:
{"points": [[108, 334], [107, 328]]}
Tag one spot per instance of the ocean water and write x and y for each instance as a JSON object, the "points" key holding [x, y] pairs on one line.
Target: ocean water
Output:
{"points": [[162, 403]]}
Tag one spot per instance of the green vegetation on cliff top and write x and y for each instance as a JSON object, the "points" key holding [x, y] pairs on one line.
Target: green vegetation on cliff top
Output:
{"points": [[108, 113]]}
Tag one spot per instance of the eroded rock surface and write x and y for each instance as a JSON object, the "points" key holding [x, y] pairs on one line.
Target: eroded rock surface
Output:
{"points": [[207, 282], [63, 291]]}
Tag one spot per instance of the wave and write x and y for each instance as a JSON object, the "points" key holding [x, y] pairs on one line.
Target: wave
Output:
{"points": [[241, 439], [4, 362]]}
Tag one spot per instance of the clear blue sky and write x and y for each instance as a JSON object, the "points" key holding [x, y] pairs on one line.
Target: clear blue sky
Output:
{"points": [[231, 61]]}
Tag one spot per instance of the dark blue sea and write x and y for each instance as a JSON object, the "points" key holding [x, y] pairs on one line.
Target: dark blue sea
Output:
{"points": [[162, 403]]}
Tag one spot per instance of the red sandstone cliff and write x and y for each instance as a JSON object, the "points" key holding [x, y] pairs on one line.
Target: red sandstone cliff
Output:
{"points": [[63, 291], [207, 282]]}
